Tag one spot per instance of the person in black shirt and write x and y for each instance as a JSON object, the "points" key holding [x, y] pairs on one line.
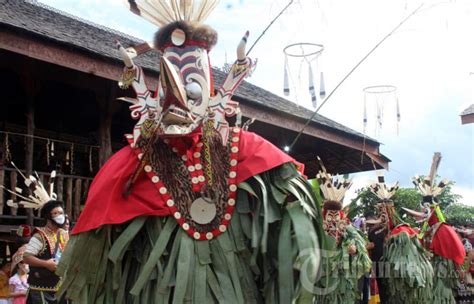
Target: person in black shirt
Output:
{"points": [[376, 238]]}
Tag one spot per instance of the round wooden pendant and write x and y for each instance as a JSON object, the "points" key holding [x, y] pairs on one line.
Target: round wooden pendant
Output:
{"points": [[178, 37], [202, 212]]}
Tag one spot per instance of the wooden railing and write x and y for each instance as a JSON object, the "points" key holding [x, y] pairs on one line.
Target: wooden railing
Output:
{"points": [[71, 189]]}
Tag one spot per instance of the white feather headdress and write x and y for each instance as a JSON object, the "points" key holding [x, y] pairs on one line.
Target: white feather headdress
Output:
{"points": [[39, 194], [426, 186], [332, 188], [381, 190], [163, 12]]}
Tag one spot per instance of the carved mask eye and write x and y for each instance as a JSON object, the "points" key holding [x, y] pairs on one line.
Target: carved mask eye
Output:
{"points": [[161, 93], [193, 90]]}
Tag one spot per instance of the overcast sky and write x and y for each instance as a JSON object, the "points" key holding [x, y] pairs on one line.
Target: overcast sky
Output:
{"points": [[429, 60]]}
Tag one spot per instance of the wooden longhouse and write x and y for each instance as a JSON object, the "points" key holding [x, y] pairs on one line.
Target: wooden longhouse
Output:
{"points": [[58, 78], [467, 116]]}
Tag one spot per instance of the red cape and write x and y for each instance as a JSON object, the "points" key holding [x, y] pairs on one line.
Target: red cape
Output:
{"points": [[106, 205], [447, 244], [403, 228]]}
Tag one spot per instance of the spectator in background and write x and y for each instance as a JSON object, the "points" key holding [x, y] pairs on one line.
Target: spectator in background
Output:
{"points": [[19, 282], [67, 224], [43, 253], [376, 238], [364, 282], [5, 268], [465, 292], [467, 245], [359, 223]]}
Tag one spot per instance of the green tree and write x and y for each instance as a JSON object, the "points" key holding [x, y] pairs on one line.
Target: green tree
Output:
{"points": [[448, 198], [408, 198], [404, 197], [363, 203], [460, 215]]}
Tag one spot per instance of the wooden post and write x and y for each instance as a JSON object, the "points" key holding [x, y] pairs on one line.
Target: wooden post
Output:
{"points": [[37, 213], [77, 200], [85, 192], [59, 187], [13, 183], [31, 86], [106, 101], [29, 148], [86, 189], [105, 141], [69, 197], [2, 178]]}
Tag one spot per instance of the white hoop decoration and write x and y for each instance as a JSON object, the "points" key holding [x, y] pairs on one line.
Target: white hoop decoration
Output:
{"points": [[380, 89], [307, 52], [381, 94], [312, 49], [178, 37]]}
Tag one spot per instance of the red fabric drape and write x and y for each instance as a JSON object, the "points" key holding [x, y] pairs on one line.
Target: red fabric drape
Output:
{"points": [[447, 244], [106, 204], [403, 228]]}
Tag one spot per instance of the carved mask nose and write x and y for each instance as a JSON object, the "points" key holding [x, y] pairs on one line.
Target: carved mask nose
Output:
{"points": [[172, 86]]}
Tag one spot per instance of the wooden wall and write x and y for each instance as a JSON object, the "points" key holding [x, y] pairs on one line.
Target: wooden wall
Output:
{"points": [[70, 189], [77, 110]]}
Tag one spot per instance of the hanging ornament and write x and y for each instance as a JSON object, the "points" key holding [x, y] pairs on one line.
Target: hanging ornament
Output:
{"points": [[6, 144], [247, 124], [312, 91], [365, 113], [379, 105], [296, 55], [91, 169], [67, 158], [286, 85], [72, 159], [238, 117], [52, 149], [47, 153], [398, 116], [8, 254], [322, 87], [377, 97]]}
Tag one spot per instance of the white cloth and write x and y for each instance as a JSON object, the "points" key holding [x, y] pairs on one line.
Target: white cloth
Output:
{"points": [[34, 246]]}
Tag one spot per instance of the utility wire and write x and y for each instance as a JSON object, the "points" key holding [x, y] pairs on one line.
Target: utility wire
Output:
{"points": [[269, 25]]}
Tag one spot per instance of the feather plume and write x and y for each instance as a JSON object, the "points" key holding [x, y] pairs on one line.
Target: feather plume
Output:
{"points": [[13, 164], [39, 194], [427, 185], [332, 188], [14, 193], [163, 12], [380, 189]]}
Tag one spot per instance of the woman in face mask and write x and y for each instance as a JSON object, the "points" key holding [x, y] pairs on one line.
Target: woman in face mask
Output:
{"points": [[43, 253]]}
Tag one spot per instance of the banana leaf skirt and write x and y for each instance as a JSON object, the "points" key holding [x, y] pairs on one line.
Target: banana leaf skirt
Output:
{"points": [[270, 244]]}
